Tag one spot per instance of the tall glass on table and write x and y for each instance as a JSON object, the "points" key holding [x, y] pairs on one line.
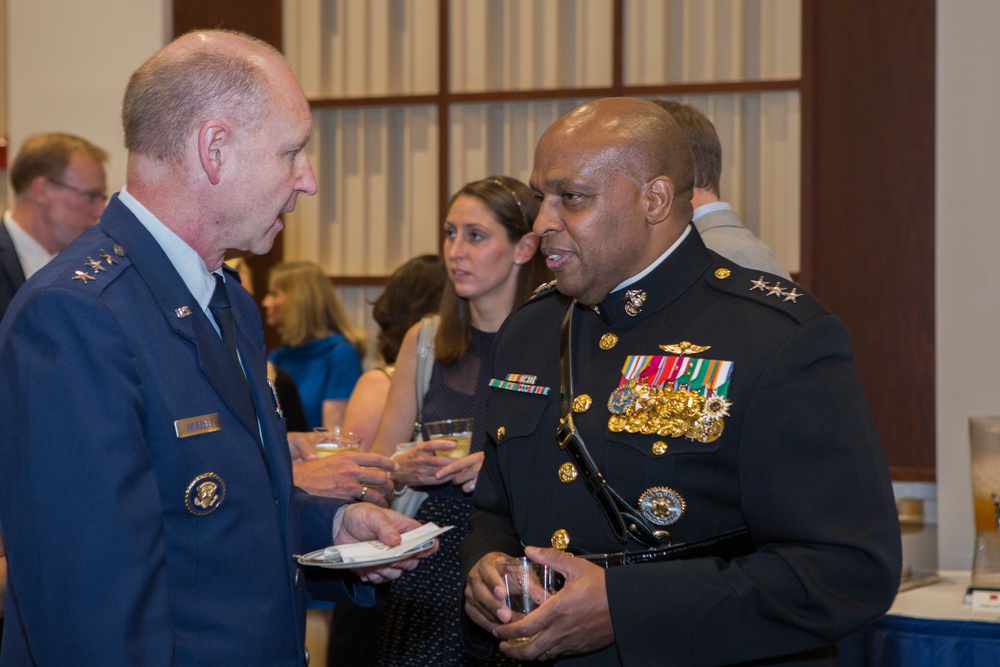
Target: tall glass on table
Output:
{"points": [[984, 439]]}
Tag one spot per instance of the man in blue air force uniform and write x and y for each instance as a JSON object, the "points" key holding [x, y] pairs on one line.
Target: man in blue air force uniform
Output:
{"points": [[713, 400], [145, 494]]}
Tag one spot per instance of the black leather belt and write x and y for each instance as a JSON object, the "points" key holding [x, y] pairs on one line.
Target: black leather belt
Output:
{"points": [[726, 546]]}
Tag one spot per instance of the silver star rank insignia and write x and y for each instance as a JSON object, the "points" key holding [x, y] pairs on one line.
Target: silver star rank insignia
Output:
{"points": [[95, 265], [792, 295], [776, 290], [760, 284]]}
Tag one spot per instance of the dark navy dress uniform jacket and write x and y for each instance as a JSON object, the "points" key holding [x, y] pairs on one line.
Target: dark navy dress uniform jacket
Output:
{"points": [[798, 462], [113, 557]]}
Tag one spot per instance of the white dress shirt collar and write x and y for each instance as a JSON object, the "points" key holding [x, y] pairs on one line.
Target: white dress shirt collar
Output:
{"points": [[30, 253]]}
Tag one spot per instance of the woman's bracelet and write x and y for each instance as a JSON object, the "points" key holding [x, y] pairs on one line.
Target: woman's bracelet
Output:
{"points": [[400, 491]]}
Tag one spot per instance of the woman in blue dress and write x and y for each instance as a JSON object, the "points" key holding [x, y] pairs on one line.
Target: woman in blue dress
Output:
{"points": [[321, 349]]}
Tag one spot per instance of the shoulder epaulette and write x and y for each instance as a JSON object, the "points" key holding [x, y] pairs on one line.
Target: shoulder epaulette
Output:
{"points": [[97, 265], [544, 288], [766, 288]]}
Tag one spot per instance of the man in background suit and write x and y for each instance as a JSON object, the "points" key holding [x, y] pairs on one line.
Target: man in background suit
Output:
{"points": [[715, 220], [146, 495], [59, 191]]}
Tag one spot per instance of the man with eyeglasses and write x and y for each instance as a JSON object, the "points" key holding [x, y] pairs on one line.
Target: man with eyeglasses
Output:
{"points": [[59, 191]]}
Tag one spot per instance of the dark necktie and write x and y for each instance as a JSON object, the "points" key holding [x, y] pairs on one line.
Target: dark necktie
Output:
{"points": [[222, 311], [223, 314]]}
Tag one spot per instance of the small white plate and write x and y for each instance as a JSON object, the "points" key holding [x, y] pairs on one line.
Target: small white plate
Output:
{"points": [[318, 559]]}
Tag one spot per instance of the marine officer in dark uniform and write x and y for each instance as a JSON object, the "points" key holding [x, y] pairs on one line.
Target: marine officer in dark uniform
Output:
{"points": [[702, 404]]}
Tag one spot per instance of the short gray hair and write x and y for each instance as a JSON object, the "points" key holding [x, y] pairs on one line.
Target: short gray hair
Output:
{"points": [[174, 92]]}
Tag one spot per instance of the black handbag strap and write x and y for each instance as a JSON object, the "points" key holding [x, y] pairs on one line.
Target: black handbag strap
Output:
{"points": [[626, 521]]}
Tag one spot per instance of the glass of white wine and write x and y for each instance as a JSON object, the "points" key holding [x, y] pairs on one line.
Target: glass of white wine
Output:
{"points": [[458, 431], [335, 441]]}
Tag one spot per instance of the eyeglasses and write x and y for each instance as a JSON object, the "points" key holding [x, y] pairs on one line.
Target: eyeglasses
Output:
{"points": [[93, 196]]}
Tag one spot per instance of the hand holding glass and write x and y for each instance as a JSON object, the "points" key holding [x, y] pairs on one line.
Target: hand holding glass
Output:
{"points": [[528, 585], [458, 431], [336, 441]]}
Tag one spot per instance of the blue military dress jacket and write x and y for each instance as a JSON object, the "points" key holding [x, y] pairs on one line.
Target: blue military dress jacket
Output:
{"points": [[147, 508]]}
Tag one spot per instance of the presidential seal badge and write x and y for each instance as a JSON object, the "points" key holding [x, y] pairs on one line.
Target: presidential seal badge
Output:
{"points": [[204, 494], [661, 505]]}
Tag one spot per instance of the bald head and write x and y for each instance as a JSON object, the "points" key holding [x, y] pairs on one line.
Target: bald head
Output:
{"points": [[200, 75], [636, 138], [614, 178]]}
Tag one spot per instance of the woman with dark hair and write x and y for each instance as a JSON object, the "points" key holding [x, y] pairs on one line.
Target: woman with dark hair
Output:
{"points": [[493, 264], [412, 291]]}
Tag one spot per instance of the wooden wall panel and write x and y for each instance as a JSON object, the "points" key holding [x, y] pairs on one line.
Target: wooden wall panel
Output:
{"points": [[260, 18], [868, 204]]}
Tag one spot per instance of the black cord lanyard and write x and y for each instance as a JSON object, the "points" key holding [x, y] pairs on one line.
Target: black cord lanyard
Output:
{"points": [[626, 521]]}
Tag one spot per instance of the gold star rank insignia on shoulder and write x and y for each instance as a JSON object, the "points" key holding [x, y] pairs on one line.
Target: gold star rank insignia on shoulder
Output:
{"points": [[108, 258], [83, 276]]}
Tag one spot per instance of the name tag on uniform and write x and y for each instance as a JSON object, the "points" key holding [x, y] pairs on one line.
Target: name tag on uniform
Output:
{"points": [[199, 425]]}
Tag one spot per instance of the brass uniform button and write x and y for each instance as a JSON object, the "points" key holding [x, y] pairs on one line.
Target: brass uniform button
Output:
{"points": [[722, 274], [660, 448], [501, 432], [118, 250], [608, 341], [582, 403], [567, 473], [560, 540]]}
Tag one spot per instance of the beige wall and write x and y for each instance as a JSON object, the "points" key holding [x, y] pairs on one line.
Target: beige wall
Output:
{"points": [[967, 265], [67, 65]]}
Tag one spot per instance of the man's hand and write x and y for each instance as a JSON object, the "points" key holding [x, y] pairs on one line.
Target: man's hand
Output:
{"points": [[348, 476], [302, 445], [363, 521], [574, 620], [485, 592]]}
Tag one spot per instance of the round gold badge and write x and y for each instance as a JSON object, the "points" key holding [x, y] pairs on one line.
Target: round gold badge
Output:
{"points": [[560, 540], [204, 494], [567, 473], [660, 448], [118, 250], [608, 341], [582, 403], [501, 432], [722, 274]]}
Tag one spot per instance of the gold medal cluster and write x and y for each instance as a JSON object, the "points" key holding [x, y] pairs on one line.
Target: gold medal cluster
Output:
{"points": [[666, 412]]}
